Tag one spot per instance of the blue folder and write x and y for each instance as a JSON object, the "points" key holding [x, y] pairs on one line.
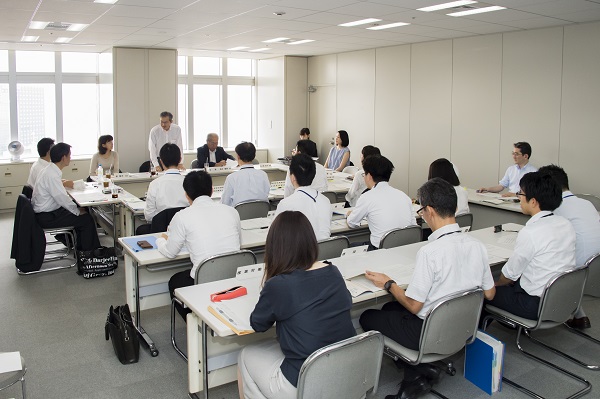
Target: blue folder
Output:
{"points": [[132, 242], [480, 361]]}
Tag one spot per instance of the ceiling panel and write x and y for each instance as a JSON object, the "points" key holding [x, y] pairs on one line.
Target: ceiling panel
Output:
{"points": [[53, 16], [76, 7], [124, 21], [368, 9], [319, 5], [139, 12]]}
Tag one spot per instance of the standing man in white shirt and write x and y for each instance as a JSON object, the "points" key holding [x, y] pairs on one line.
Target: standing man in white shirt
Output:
{"points": [[206, 228], [384, 206], [585, 220], [521, 155], [54, 207], [165, 132], [451, 262], [43, 149], [319, 182], [247, 183], [165, 191], [358, 182], [544, 248], [314, 205]]}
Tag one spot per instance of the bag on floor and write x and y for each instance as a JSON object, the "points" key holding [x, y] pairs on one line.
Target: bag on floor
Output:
{"points": [[119, 327], [98, 262]]}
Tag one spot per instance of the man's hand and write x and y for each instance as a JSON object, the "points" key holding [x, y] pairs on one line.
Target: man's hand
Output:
{"points": [[158, 169], [379, 279], [509, 195], [482, 190], [222, 163], [165, 236], [68, 183]]}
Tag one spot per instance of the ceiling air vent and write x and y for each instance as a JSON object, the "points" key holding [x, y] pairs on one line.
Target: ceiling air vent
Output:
{"points": [[57, 26]]}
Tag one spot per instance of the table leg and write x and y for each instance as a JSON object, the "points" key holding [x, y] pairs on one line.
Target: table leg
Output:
{"points": [[193, 338], [138, 322], [205, 358]]}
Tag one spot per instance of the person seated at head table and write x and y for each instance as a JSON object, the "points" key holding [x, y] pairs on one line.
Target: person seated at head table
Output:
{"points": [[310, 146], [247, 183], [206, 228], [521, 155], [307, 299], [319, 182], [339, 155], [165, 191], [451, 262], [384, 206], [106, 156], [216, 155], [358, 181], [585, 220], [165, 132], [445, 169], [314, 205], [43, 149]]}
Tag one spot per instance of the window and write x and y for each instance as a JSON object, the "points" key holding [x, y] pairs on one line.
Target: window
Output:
{"points": [[80, 117], [36, 107], [79, 63], [35, 61], [207, 112], [5, 136], [239, 120], [207, 66], [3, 60]]}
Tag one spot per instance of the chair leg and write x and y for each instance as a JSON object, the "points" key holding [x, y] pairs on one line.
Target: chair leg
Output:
{"points": [[554, 350], [173, 317]]}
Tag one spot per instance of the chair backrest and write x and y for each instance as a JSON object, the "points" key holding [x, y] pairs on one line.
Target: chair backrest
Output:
{"points": [[220, 267], [194, 164], [451, 323], [161, 220], [561, 297], [27, 191], [350, 169], [145, 167], [253, 209], [592, 198], [465, 220], [592, 284], [322, 374], [398, 237], [331, 196], [332, 247]]}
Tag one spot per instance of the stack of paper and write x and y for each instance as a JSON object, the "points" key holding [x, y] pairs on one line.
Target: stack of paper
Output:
{"points": [[257, 223], [497, 254], [235, 313], [484, 361]]}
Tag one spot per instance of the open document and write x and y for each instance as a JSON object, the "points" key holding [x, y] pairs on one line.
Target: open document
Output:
{"points": [[235, 313]]}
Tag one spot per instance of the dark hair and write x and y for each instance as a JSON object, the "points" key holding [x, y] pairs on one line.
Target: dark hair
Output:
{"points": [[558, 174], [524, 147], [170, 155], [44, 145], [303, 168], [543, 188], [369, 150], [167, 113], [246, 151], [303, 147], [58, 151], [291, 245], [197, 183], [379, 167], [440, 195], [344, 137], [444, 169], [305, 131], [103, 140]]}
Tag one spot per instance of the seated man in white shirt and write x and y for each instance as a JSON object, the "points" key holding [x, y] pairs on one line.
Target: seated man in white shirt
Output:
{"points": [[54, 207], [544, 248], [521, 155], [451, 262], [206, 228], [247, 183], [319, 182], [358, 182], [165, 132], [43, 149], [165, 191], [384, 206], [585, 220], [314, 205]]}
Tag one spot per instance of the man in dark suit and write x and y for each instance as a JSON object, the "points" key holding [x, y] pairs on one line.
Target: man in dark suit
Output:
{"points": [[216, 155]]}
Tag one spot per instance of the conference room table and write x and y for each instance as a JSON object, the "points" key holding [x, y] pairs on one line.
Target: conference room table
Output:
{"points": [[490, 209], [214, 346]]}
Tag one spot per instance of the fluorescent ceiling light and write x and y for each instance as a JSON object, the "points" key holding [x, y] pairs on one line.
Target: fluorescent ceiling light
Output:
{"points": [[476, 11], [446, 5], [63, 39], [277, 39], [106, 1], [360, 22], [387, 26], [30, 38], [237, 48], [77, 27], [38, 24], [302, 41], [258, 49]]}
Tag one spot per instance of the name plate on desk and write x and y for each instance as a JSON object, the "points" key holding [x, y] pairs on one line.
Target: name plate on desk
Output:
{"points": [[329, 174], [265, 165], [354, 250], [213, 169], [250, 271], [278, 184]]}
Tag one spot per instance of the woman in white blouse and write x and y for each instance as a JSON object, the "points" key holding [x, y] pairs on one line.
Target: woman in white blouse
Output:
{"points": [[445, 169], [105, 156]]}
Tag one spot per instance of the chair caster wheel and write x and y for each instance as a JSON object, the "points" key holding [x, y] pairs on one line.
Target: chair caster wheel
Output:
{"points": [[451, 371], [154, 352]]}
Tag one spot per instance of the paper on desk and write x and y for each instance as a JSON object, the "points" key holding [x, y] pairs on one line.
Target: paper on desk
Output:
{"points": [[10, 361], [135, 203], [92, 197], [493, 201], [360, 284], [258, 223], [235, 313], [495, 251], [508, 239]]}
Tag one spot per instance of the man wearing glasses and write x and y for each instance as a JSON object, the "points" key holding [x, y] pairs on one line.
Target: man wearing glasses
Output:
{"points": [[521, 155], [165, 132], [211, 151]]}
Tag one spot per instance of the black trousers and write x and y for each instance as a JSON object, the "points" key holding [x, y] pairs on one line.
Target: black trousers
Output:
{"points": [[87, 236], [360, 244], [179, 280], [396, 322], [143, 229], [515, 300]]}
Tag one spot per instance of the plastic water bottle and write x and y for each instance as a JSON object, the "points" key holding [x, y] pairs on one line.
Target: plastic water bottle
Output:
{"points": [[206, 164], [100, 173]]}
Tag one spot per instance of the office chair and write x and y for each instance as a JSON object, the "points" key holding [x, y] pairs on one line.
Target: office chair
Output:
{"points": [[465, 220], [253, 209], [331, 196], [398, 237], [350, 169], [195, 165], [332, 247], [9, 379], [592, 198], [161, 220], [145, 167]]}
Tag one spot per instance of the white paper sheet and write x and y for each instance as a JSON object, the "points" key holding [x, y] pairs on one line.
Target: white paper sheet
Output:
{"points": [[10, 361]]}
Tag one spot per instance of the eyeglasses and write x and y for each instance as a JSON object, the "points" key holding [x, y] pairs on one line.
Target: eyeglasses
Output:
{"points": [[520, 193], [516, 153], [420, 211]]}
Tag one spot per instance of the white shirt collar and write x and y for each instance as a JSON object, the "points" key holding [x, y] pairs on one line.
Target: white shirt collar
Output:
{"points": [[537, 217], [566, 194], [450, 228]]}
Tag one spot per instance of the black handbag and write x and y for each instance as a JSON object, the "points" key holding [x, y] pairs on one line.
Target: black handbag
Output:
{"points": [[119, 327], [97, 262]]}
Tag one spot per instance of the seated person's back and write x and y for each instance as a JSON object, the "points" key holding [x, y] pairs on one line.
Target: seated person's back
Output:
{"points": [[247, 183], [319, 181]]}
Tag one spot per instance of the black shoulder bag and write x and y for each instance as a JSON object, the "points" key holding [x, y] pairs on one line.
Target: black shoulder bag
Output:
{"points": [[119, 327]]}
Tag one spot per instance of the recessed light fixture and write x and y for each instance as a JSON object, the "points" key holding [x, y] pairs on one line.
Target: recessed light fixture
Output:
{"points": [[302, 41], [256, 50], [77, 27], [476, 11], [30, 38], [106, 1], [360, 22], [38, 24], [388, 26], [237, 48], [279, 13], [63, 39], [446, 5], [277, 39]]}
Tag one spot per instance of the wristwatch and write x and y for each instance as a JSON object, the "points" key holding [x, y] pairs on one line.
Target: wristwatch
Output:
{"points": [[388, 285]]}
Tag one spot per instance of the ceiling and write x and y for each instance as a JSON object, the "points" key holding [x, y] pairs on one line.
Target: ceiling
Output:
{"points": [[210, 27]]}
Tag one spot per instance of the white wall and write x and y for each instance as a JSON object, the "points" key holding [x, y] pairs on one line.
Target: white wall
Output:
{"points": [[468, 100], [296, 94]]}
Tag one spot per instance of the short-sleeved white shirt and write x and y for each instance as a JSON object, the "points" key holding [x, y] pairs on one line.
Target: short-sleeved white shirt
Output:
{"points": [[315, 206], [512, 176], [246, 184]]}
